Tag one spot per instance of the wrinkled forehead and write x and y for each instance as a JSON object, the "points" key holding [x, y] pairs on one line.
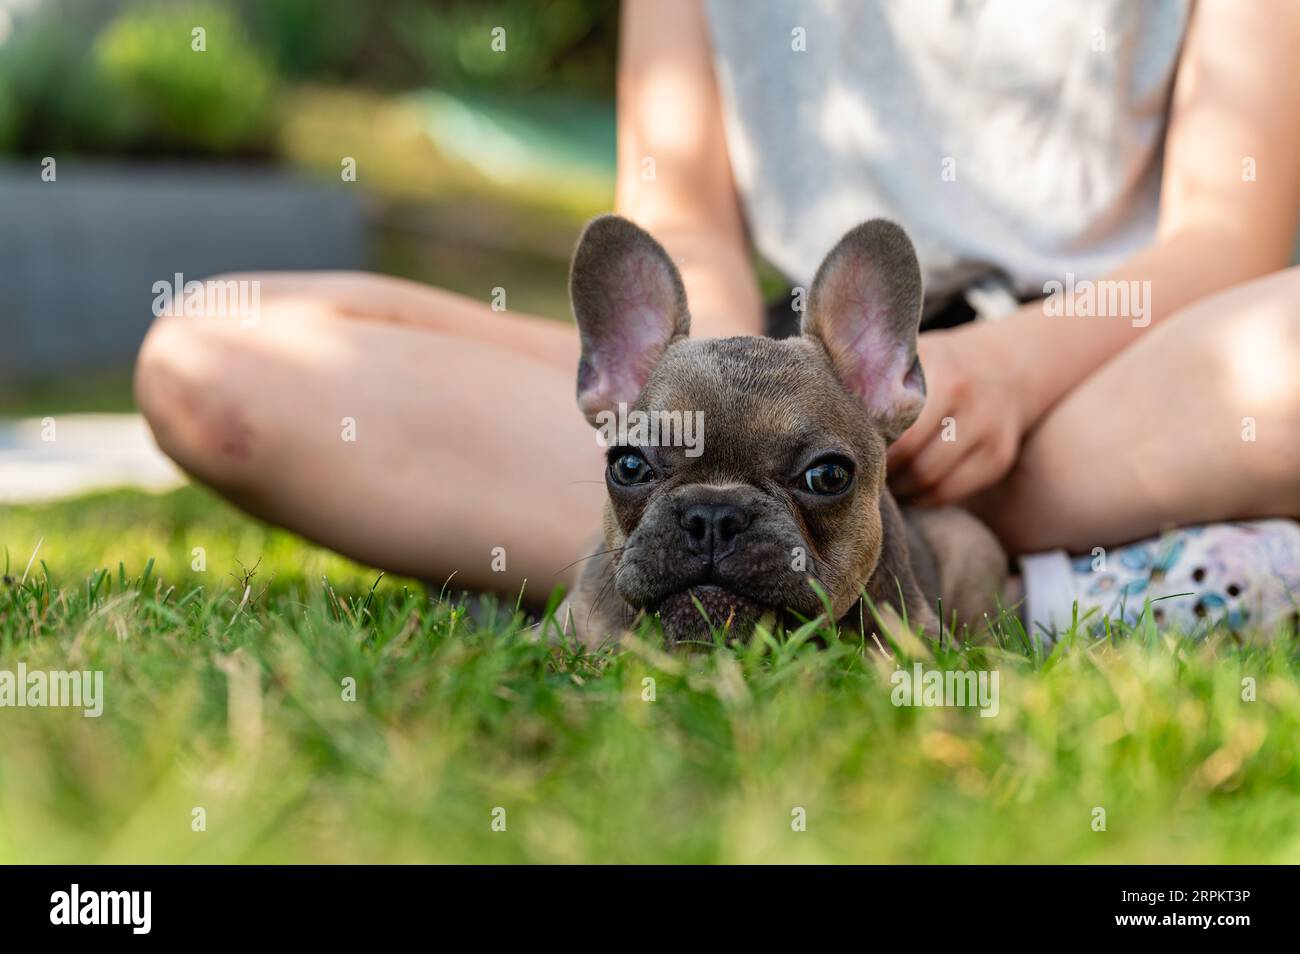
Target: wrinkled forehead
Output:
{"points": [[758, 400]]}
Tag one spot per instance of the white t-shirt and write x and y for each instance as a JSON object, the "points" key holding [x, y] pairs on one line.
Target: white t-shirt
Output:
{"points": [[1015, 140]]}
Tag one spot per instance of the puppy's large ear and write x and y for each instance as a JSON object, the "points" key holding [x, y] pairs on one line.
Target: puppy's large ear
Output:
{"points": [[630, 305], [865, 309]]}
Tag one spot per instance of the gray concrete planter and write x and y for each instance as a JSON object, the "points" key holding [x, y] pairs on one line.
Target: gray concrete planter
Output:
{"points": [[79, 255]]}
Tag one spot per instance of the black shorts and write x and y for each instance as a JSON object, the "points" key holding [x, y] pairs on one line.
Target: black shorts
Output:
{"points": [[783, 320]]}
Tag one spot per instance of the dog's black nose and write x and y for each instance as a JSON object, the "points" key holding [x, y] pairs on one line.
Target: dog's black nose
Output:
{"points": [[711, 528]]}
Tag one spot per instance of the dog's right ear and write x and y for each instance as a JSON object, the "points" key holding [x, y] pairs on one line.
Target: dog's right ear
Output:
{"points": [[630, 306], [865, 309]]}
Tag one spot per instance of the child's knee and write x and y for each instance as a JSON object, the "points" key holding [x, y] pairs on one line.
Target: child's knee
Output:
{"points": [[186, 387]]}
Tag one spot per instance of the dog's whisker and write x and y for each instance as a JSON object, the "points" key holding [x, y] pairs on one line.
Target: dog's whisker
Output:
{"points": [[592, 557], [599, 596]]}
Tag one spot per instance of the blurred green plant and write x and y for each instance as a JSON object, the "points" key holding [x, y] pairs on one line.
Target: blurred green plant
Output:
{"points": [[144, 83], [177, 89], [42, 66], [121, 77], [313, 39], [517, 45], [8, 120], [558, 45]]}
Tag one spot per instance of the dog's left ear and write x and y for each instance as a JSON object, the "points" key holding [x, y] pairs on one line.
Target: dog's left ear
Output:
{"points": [[865, 309], [630, 306]]}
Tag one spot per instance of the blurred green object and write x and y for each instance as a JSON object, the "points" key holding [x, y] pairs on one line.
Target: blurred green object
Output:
{"points": [[187, 79], [311, 39], [8, 119], [133, 77], [514, 45], [520, 139], [142, 81], [42, 67]]}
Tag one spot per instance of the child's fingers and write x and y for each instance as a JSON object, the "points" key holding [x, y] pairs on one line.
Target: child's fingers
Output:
{"points": [[973, 473], [916, 437], [931, 464]]}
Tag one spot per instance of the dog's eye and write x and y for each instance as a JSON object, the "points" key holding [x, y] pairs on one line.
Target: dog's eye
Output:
{"points": [[827, 478], [629, 468]]}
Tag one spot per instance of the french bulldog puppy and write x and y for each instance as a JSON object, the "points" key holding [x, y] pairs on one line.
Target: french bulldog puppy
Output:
{"points": [[784, 493]]}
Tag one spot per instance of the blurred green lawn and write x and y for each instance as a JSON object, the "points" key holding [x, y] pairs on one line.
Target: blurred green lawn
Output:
{"points": [[237, 707]]}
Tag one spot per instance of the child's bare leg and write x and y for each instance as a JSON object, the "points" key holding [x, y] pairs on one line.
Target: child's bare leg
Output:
{"points": [[467, 437], [1199, 421]]}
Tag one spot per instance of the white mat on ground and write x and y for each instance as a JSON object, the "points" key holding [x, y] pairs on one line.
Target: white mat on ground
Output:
{"points": [[72, 454]]}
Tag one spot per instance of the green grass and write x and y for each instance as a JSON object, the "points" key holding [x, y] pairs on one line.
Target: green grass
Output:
{"points": [[74, 391], [463, 707]]}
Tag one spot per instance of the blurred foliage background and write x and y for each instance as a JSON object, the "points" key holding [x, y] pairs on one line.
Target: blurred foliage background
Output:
{"points": [[477, 164], [116, 77]]}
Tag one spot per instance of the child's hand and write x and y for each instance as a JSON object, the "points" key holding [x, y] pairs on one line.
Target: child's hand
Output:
{"points": [[968, 435]]}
